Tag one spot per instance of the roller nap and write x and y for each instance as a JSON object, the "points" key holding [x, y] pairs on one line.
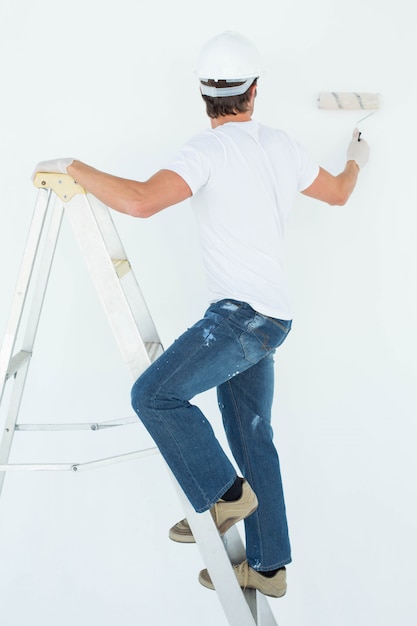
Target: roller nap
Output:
{"points": [[350, 101]]}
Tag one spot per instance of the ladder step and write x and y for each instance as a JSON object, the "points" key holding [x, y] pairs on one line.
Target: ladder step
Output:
{"points": [[122, 267], [16, 362]]}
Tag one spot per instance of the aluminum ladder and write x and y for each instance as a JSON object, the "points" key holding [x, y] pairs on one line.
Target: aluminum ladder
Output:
{"points": [[139, 343]]}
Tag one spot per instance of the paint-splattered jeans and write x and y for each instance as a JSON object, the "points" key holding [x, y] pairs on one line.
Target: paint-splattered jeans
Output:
{"points": [[232, 349]]}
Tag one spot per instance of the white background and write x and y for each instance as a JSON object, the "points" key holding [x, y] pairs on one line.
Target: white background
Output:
{"points": [[112, 84]]}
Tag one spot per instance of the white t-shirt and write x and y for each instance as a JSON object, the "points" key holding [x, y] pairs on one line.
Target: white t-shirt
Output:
{"points": [[244, 177]]}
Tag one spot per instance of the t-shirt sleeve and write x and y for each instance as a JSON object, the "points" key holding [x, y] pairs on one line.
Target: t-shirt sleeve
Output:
{"points": [[308, 168], [191, 164]]}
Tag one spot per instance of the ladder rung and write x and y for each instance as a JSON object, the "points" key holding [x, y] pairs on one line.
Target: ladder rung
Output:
{"points": [[16, 362]]}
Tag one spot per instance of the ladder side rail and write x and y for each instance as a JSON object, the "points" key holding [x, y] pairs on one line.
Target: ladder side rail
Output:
{"points": [[23, 283], [236, 551], [13, 412], [94, 250], [44, 271], [49, 246], [139, 308], [257, 601], [108, 229], [265, 617], [127, 277]]}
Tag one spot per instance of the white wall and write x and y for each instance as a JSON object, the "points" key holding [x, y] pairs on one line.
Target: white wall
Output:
{"points": [[112, 84]]}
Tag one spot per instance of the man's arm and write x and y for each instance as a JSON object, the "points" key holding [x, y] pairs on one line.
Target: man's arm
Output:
{"points": [[336, 190], [139, 199]]}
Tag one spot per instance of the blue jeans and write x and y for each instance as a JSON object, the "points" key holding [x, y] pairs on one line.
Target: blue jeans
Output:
{"points": [[232, 349]]}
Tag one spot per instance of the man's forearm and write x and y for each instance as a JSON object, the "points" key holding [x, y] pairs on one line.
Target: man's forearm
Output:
{"points": [[348, 179], [120, 194]]}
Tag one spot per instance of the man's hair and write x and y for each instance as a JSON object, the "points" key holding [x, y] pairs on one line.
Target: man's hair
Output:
{"points": [[229, 105]]}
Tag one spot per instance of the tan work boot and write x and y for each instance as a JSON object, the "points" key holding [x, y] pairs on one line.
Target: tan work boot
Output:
{"points": [[225, 514], [248, 578]]}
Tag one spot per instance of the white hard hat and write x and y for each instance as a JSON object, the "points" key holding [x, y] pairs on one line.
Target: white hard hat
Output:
{"points": [[231, 57]]}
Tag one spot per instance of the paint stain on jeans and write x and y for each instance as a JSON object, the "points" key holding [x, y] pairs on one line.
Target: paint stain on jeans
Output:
{"points": [[229, 306], [208, 336], [255, 422]]}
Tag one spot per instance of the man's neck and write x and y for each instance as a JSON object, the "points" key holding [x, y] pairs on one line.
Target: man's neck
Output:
{"points": [[224, 119]]}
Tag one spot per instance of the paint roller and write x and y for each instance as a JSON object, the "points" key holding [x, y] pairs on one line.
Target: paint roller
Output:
{"points": [[349, 101]]}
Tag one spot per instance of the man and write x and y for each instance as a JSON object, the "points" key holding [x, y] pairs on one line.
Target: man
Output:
{"points": [[243, 177]]}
